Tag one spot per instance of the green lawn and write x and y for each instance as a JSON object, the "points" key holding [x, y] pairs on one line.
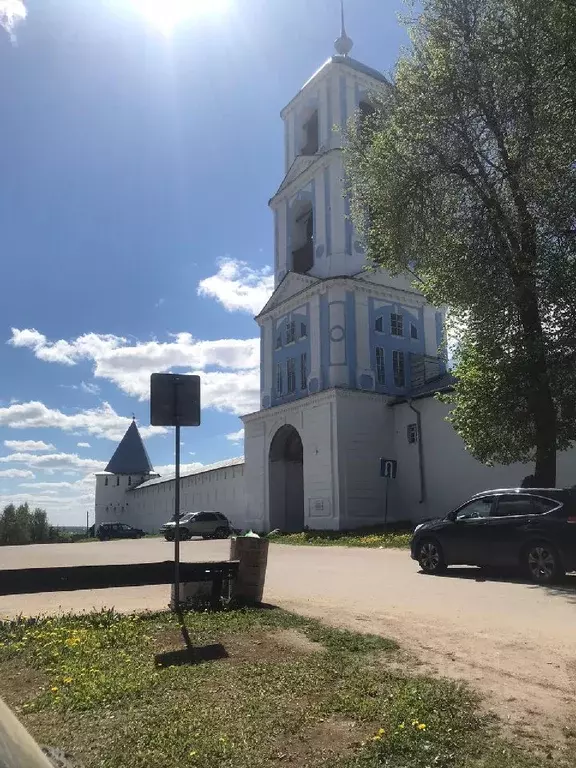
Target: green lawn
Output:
{"points": [[268, 689], [372, 539]]}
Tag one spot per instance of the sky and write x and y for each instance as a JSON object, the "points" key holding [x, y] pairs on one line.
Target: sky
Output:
{"points": [[140, 144]]}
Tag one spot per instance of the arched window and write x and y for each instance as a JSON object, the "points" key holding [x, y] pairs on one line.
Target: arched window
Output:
{"points": [[366, 109], [303, 238], [310, 135]]}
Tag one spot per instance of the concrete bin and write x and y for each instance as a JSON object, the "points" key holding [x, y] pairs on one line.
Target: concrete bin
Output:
{"points": [[252, 554]]}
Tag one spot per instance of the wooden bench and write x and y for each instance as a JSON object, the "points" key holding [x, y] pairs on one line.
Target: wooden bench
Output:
{"points": [[28, 581]]}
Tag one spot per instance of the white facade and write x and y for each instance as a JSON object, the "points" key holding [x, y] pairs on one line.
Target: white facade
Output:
{"points": [[148, 505], [350, 360]]}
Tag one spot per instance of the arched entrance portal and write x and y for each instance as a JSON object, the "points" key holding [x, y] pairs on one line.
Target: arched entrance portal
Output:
{"points": [[286, 478]]}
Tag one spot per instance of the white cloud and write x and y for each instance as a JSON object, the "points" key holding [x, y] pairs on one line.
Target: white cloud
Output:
{"points": [[11, 13], [47, 487], [28, 445], [169, 469], [100, 422], [90, 389], [64, 505], [83, 445], [238, 287], [233, 386], [51, 462], [236, 437], [16, 473]]}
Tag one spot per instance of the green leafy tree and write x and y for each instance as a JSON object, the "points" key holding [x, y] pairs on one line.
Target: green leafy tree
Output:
{"points": [[23, 525], [8, 524], [466, 177], [39, 527]]}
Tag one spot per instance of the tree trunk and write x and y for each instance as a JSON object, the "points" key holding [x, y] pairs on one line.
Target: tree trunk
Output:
{"points": [[540, 401]]}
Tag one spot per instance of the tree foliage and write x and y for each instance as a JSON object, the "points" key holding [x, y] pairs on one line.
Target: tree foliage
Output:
{"points": [[20, 525], [466, 177]]}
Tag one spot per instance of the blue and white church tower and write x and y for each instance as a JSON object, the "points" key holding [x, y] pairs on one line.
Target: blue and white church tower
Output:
{"points": [[338, 343]]}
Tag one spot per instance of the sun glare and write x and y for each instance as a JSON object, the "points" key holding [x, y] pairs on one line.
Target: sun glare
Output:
{"points": [[167, 14]]}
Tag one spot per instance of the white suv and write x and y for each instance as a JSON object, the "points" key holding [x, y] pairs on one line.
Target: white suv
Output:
{"points": [[208, 525]]}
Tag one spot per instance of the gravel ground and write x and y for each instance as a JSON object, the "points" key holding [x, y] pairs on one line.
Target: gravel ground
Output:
{"points": [[514, 641]]}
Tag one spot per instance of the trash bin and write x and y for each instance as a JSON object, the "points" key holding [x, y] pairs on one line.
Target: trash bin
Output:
{"points": [[252, 553]]}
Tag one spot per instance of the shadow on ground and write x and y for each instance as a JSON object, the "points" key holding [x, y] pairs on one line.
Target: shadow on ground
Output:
{"points": [[566, 587], [190, 653]]}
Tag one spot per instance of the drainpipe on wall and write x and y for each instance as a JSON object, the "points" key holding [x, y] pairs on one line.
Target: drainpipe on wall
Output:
{"points": [[420, 451]]}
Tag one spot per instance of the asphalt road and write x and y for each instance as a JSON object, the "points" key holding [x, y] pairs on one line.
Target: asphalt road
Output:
{"points": [[513, 640]]}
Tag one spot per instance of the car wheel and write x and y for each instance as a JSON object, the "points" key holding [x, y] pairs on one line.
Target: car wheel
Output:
{"points": [[542, 563], [169, 536], [221, 533], [184, 534], [431, 557]]}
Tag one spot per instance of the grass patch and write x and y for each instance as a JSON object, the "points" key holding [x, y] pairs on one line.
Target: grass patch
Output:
{"points": [[284, 690], [375, 539]]}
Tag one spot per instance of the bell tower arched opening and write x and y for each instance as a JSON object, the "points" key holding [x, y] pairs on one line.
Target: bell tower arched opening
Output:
{"points": [[303, 238], [286, 480]]}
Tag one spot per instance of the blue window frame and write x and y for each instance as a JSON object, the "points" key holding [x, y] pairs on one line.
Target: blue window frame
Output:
{"points": [[279, 380], [304, 371], [399, 368], [413, 331], [396, 324], [290, 331], [380, 366], [379, 325], [291, 375]]}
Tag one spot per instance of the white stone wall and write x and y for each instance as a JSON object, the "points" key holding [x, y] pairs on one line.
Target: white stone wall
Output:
{"points": [[219, 490], [451, 474], [110, 498], [365, 434], [315, 420]]}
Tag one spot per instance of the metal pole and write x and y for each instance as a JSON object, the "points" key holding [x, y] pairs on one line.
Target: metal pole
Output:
{"points": [[386, 502], [177, 500], [87, 522], [177, 528]]}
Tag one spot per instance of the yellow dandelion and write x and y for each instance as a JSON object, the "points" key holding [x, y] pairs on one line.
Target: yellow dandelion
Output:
{"points": [[67, 680], [54, 689], [421, 726], [381, 731], [193, 753], [402, 726], [377, 737]]}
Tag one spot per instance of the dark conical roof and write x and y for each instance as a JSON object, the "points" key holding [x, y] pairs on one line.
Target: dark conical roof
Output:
{"points": [[131, 457]]}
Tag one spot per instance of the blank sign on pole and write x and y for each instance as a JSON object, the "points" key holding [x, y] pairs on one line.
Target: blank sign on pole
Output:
{"points": [[174, 400]]}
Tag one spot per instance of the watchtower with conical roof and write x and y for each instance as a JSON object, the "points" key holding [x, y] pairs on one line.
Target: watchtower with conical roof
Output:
{"points": [[129, 467]]}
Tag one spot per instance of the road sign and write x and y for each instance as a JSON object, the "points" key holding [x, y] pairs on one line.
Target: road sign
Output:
{"points": [[174, 400], [388, 468]]}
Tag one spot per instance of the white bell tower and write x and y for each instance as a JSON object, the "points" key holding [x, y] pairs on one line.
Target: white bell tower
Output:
{"points": [[314, 234]]}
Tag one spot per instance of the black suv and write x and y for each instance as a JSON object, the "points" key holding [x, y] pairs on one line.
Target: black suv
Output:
{"points": [[106, 531], [530, 528]]}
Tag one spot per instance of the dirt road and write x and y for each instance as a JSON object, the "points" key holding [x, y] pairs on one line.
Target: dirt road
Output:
{"points": [[514, 641]]}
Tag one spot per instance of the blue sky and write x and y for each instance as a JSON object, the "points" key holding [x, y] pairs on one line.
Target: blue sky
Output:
{"points": [[135, 231]]}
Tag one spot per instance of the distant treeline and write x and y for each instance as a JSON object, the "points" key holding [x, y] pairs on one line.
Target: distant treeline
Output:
{"points": [[21, 525]]}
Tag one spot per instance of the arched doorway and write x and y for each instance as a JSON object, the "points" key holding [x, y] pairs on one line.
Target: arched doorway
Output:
{"points": [[286, 479]]}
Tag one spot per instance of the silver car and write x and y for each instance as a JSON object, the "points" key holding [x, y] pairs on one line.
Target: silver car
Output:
{"points": [[208, 525]]}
